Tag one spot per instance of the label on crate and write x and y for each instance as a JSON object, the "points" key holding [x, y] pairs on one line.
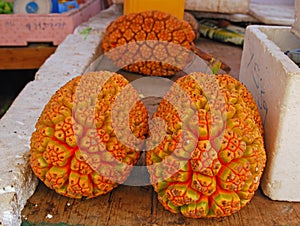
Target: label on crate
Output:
{"points": [[33, 6]]}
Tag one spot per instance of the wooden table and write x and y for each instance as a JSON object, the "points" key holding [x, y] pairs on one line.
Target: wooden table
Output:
{"points": [[132, 205], [27, 57], [128, 205]]}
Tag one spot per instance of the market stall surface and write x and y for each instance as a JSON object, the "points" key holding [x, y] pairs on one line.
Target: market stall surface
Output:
{"points": [[138, 205]]}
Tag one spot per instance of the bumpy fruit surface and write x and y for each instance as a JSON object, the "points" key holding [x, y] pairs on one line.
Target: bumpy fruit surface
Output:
{"points": [[150, 43], [211, 157], [76, 149]]}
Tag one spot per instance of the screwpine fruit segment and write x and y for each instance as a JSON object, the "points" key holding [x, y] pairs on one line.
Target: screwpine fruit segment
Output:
{"points": [[75, 149], [211, 159], [152, 43]]}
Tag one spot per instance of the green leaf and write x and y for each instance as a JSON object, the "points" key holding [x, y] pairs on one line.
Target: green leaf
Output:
{"points": [[86, 32], [215, 67]]}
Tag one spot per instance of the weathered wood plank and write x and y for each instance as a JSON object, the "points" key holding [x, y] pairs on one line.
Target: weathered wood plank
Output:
{"points": [[135, 208], [131, 205], [29, 57]]}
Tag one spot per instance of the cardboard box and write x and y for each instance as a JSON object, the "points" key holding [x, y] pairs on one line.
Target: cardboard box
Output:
{"points": [[274, 80], [21, 29], [221, 6]]}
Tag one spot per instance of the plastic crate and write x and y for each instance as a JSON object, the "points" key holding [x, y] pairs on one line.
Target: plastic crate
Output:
{"points": [[21, 29]]}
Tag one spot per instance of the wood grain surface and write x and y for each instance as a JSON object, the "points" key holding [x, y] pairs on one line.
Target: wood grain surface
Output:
{"points": [[29, 57], [130, 205]]}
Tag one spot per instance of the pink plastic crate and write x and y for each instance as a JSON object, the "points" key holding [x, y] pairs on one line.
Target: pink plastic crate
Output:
{"points": [[20, 29]]}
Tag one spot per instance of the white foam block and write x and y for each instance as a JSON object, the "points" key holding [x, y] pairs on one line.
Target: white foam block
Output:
{"points": [[296, 24], [274, 80]]}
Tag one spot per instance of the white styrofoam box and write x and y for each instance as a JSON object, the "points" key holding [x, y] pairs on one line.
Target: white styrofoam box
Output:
{"points": [[117, 1], [296, 24], [220, 6], [277, 2], [273, 14], [274, 81]]}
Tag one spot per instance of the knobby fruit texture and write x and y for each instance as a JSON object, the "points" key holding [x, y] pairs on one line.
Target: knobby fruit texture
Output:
{"points": [[210, 162], [75, 149], [204, 148], [149, 43]]}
